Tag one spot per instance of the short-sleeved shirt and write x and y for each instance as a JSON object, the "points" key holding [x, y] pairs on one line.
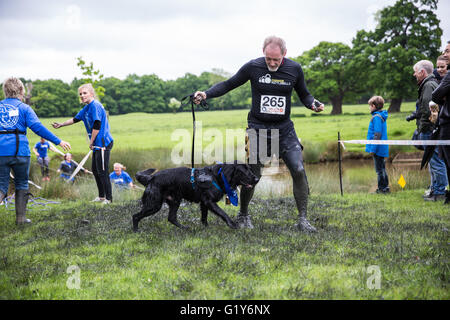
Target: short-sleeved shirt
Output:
{"points": [[89, 114], [122, 180], [42, 148], [14, 114], [67, 167]]}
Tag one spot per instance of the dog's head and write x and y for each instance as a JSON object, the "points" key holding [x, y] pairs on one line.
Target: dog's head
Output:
{"points": [[239, 174]]}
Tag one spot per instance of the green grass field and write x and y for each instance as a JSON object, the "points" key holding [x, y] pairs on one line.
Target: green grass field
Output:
{"points": [[141, 131], [368, 246], [399, 236]]}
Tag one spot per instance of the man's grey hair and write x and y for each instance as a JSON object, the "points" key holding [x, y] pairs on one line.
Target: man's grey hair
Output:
{"points": [[276, 41], [13, 88], [424, 65]]}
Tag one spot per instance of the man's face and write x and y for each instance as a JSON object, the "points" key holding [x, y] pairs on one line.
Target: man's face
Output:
{"points": [[446, 53], [420, 74], [117, 170], [441, 67], [273, 56]]}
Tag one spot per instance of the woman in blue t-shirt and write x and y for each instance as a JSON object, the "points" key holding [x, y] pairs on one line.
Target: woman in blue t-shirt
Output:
{"points": [[15, 118], [96, 123], [120, 178]]}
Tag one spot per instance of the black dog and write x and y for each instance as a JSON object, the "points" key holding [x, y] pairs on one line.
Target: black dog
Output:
{"points": [[205, 186]]}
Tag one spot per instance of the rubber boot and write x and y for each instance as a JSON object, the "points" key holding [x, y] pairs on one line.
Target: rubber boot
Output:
{"points": [[301, 191], [243, 219], [21, 207]]}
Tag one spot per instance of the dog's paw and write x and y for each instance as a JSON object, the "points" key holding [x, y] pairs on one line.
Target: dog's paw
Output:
{"points": [[233, 225]]}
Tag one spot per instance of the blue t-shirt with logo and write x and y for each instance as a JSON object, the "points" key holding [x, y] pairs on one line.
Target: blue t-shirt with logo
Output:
{"points": [[14, 114], [90, 113], [42, 148], [122, 180]]}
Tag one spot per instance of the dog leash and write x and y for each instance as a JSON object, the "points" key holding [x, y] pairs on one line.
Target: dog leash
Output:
{"points": [[205, 106]]}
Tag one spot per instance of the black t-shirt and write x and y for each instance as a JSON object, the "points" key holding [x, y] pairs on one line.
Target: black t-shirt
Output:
{"points": [[271, 91]]}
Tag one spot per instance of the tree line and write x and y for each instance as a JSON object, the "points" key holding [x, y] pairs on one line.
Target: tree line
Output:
{"points": [[378, 62]]}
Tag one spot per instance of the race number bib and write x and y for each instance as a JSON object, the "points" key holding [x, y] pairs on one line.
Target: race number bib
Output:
{"points": [[273, 104]]}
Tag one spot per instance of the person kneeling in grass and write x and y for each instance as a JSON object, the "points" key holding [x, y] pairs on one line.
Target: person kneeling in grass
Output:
{"points": [[120, 178]]}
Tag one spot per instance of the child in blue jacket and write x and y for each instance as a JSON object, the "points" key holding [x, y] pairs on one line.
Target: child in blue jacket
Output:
{"points": [[378, 131]]}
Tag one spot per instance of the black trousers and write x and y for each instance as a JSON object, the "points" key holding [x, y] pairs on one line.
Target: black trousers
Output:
{"points": [[100, 169], [444, 151], [289, 149]]}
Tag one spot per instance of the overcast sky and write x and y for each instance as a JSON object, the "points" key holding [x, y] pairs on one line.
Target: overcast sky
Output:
{"points": [[42, 39]]}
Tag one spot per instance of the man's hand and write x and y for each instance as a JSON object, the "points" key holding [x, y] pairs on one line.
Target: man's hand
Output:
{"points": [[317, 106], [56, 125], [199, 96], [65, 145]]}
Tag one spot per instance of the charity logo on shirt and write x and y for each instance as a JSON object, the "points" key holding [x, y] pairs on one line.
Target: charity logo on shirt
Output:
{"points": [[267, 79], [9, 115]]}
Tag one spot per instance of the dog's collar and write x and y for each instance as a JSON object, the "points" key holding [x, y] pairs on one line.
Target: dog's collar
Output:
{"points": [[231, 193]]}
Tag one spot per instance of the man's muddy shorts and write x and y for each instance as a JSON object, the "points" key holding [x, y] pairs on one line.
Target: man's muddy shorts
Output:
{"points": [[264, 140]]}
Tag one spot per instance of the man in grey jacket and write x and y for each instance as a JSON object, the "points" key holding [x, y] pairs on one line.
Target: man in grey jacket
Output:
{"points": [[423, 71]]}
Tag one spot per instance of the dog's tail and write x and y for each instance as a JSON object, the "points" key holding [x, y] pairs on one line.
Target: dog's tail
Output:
{"points": [[145, 176]]}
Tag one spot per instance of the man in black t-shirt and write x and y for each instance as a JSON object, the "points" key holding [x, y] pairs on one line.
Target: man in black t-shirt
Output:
{"points": [[272, 77]]}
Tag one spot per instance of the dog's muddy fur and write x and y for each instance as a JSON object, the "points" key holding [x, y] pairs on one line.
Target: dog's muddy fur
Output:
{"points": [[173, 185]]}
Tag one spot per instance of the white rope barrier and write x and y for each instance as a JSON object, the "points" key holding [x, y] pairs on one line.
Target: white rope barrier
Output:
{"points": [[398, 142]]}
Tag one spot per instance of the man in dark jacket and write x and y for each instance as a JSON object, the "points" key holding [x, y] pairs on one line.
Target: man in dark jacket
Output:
{"points": [[441, 95], [423, 71]]}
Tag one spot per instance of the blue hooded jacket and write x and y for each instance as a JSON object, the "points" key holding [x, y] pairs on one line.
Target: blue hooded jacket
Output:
{"points": [[378, 126]]}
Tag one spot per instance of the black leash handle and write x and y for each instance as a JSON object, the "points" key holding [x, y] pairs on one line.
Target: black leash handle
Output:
{"points": [[205, 106]]}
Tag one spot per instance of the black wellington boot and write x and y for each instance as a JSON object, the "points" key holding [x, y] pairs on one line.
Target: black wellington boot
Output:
{"points": [[243, 219], [21, 207], [301, 191]]}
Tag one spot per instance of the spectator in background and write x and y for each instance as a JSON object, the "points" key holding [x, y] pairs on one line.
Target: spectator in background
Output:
{"points": [[120, 178], [441, 95], [15, 118], [426, 81], [378, 131], [40, 150], [441, 67], [67, 167]]}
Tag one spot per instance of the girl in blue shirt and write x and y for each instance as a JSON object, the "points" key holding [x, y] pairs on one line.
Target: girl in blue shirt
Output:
{"points": [[120, 178], [96, 123]]}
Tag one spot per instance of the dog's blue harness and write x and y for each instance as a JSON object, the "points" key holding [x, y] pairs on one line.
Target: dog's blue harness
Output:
{"points": [[193, 181], [231, 193]]}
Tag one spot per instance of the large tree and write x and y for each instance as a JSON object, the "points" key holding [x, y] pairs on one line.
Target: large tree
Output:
{"points": [[333, 72], [406, 32]]}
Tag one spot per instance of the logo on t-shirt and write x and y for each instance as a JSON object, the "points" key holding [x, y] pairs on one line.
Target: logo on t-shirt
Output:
{"points": [[267, 79], [9, 115]]}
